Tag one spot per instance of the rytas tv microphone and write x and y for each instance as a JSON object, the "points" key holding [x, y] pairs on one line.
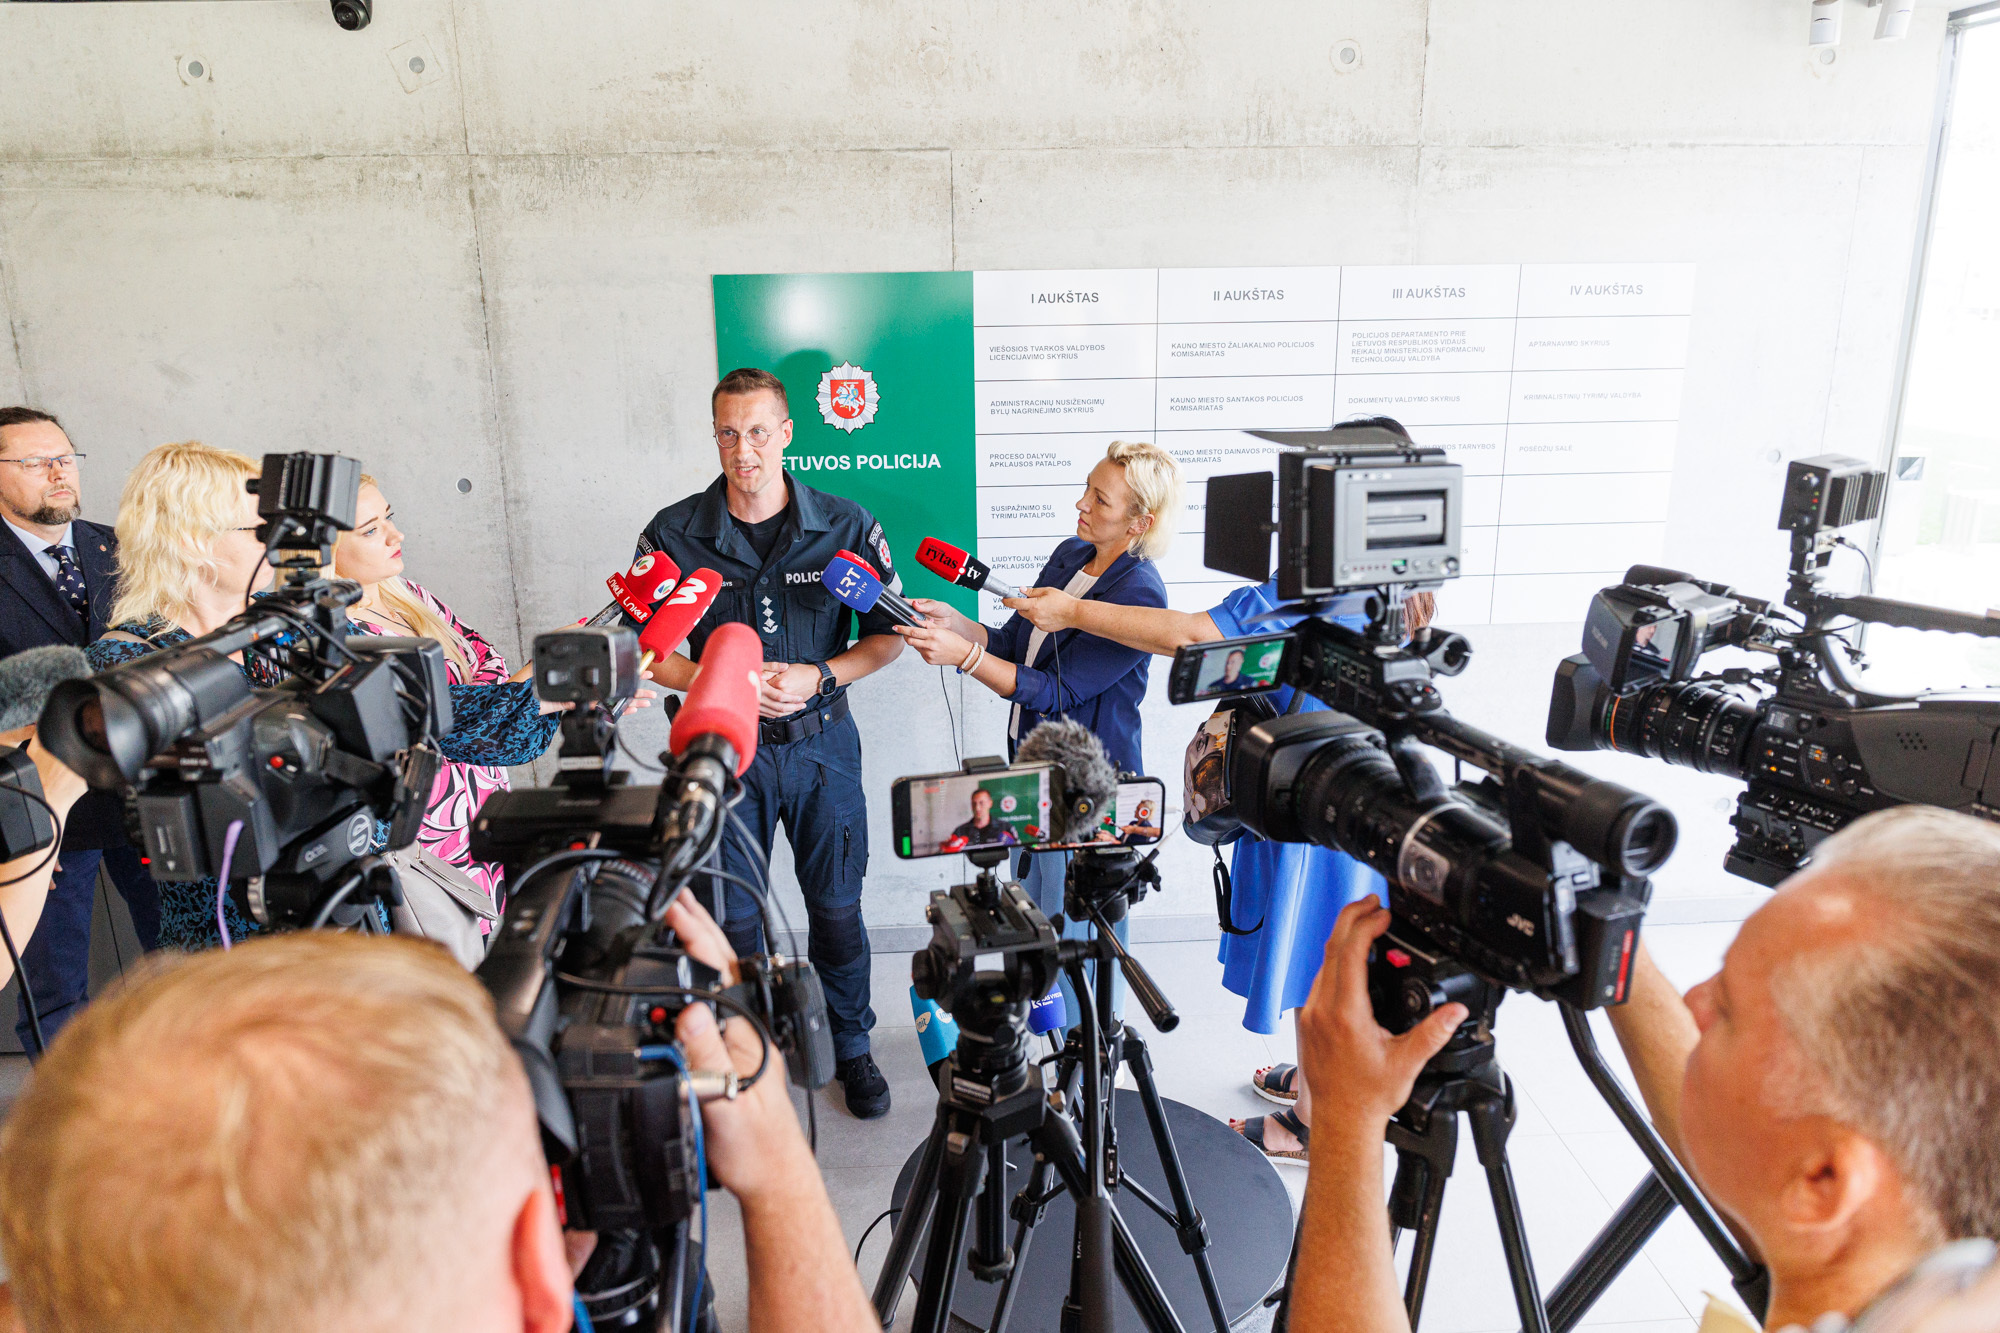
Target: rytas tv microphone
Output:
{"points": [[962, 568], [852, 580], [28, 677], [722, 703], [637, 592], [679, 614], [1090, 782]]}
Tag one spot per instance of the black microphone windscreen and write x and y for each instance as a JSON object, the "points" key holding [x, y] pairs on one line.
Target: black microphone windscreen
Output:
{"points": [[27, 678], [1090, 782]]}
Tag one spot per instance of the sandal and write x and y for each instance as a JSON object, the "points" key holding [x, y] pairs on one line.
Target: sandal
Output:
{"points": [[1253, 1130], [1278, 1083]]}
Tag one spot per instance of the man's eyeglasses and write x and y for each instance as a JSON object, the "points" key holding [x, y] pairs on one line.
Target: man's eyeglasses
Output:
{"points": [[759, 437], [41, 467]]}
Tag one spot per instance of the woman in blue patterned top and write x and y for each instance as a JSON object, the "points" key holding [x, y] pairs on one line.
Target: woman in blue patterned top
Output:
{"points": [[187, 554]]}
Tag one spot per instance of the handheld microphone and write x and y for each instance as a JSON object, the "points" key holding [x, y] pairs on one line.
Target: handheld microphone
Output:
{"points": [[637, 592], [27, 678], [962, 568], [720, 716], [1090, 782], [851, 579], [676, 617]]}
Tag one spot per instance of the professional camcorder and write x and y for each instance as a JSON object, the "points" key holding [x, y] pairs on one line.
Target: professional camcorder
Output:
{"points": [[1817, 749], [1534, 877], [588, 980], [278, 791]]}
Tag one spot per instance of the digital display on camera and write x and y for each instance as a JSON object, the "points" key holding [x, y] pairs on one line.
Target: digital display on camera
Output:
{"points": [[948, 813], [1135, 821], [1238, 668], [1405, 518]]}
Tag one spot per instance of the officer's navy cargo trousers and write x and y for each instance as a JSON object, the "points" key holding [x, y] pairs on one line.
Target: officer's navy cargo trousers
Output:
{"points": [[812, 786]]}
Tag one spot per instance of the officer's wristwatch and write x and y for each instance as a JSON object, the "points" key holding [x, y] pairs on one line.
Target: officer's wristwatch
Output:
{"points": [[827, 682]]}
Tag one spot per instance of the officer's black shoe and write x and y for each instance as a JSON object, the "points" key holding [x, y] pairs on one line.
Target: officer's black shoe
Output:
{"points": [[867, 1091]]}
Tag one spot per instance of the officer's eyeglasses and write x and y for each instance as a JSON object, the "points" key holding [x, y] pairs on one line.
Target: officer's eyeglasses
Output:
{"points": [[759, 437], [41, 467]]}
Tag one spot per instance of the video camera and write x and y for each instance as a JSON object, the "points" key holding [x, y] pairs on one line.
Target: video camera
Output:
{"points": [[588, 981], [1534, 877], [280, 790], [1817, 751]]}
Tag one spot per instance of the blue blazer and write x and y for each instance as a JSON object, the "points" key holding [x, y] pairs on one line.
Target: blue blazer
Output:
{"points": [[1080, 676], [34, 615]]}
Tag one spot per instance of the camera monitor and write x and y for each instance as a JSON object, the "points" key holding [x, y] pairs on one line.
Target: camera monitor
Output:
{"points": [[1233, 666], [943, 814], [1356, 508]]}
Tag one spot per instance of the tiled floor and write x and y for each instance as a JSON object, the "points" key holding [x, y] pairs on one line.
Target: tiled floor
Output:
{"points": [[1572, 1163]]}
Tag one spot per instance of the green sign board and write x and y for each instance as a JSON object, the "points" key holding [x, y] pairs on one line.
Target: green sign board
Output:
{"points": [[878, 367]]}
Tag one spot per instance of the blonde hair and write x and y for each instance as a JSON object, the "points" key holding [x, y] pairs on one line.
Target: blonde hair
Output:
{"points": [[176, 504], [263, 1139], [1155, 481], [1896, 1037], [397, 594]]}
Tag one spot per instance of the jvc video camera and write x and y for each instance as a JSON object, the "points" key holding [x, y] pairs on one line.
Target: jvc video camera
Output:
{"points": [[588, 981], [1534, 877], [1817, 750], [303, 771]]}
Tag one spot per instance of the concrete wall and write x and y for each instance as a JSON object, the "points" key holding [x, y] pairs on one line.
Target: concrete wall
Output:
{"points": [[498, 270]]}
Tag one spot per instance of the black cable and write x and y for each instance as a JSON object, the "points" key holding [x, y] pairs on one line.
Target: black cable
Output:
{"points": [[714, 997], [762, 899], [944, 688], [812, 1119], [886, 1212], [334, 900], [763, 865]]}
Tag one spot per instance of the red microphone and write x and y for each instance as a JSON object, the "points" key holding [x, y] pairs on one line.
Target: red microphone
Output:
{"points": [[722, 702], [637, 592], [957, 566], [679, 614]]}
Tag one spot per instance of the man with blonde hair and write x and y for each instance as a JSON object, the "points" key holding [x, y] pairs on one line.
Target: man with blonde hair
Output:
{"points": [[1833, 1088], [329, 1132]]}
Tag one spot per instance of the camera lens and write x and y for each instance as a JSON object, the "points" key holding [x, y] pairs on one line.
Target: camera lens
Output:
{"points": [[1691, 725]]}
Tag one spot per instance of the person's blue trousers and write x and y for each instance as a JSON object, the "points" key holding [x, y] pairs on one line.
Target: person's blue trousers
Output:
{"points": [[812, 787]]}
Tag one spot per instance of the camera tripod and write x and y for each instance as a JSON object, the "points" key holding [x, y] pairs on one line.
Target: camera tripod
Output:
{"points": [[1465, 1078], [989, 1097]]}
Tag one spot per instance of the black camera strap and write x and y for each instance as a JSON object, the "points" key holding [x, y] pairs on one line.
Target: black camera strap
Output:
{"points": [[1225, 911]]}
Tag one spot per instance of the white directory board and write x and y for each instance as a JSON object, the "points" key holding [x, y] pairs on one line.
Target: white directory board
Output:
{"points": [[1557, 386]]}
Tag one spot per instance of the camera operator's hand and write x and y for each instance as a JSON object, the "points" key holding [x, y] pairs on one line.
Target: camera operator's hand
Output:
{"points": [[1359, 1073], [1359, 1076], [1047, 609], [800, 1272], [61, 786]]}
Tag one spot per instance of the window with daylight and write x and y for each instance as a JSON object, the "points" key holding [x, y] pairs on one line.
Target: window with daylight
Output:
{"points": [[1939, 541]]}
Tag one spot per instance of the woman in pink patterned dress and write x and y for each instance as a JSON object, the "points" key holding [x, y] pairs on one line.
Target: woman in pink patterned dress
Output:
{"points": [[372, 555]]}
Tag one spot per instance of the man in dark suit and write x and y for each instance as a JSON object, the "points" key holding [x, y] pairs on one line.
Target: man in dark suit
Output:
{"points": [[56, 577]]}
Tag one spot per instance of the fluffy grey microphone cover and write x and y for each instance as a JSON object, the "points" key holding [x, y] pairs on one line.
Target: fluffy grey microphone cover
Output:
{"points": [[1090, 783], [27, 677]]}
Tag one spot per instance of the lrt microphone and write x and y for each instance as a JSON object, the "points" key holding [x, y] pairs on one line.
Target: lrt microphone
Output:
{"points": [[852, 580], [953, 565], [637, 592], [1090, 782]]}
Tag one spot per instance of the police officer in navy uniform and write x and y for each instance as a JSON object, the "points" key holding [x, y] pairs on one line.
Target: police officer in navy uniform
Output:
{"points": [[57, 573], [770, 536]]}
